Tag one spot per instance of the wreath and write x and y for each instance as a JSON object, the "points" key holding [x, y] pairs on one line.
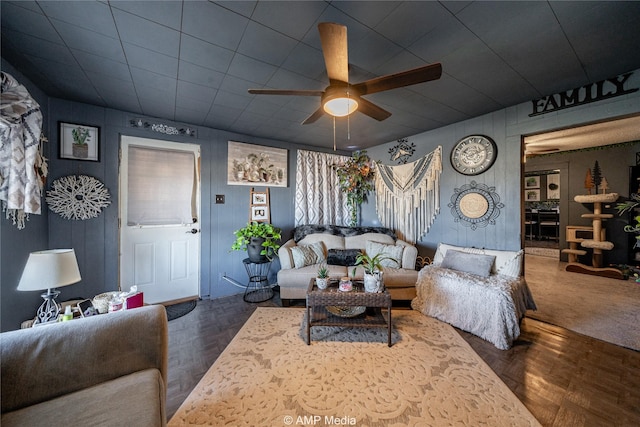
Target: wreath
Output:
{"points": [[78, 197]]}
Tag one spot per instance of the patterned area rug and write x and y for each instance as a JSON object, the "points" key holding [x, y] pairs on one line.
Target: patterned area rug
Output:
{"points": [[175, 311], [268, 376]]}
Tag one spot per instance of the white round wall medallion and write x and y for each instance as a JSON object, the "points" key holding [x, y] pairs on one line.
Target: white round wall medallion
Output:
{"points": [[77, 197]]}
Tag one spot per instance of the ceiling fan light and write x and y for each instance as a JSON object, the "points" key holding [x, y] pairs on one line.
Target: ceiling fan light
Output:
{"points": [[340, 107]]}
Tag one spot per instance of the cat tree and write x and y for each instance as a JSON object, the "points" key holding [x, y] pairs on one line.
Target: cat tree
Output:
{"points": [[597, 244]]}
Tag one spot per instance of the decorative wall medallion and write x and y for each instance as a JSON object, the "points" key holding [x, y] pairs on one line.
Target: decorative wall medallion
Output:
{"points": [[477, 205], [473, 154], [402, 151], [77, 197]]}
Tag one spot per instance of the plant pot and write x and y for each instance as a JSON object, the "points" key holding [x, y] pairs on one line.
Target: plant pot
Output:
{"points": [[80, 151], [254, 247], [322, 282], [373, 282]]}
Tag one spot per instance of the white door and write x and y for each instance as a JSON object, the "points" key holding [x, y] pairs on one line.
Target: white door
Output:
{"points": [[160, 219]]}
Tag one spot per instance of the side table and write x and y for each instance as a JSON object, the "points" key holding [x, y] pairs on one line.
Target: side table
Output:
{"points": [[258, 289]]}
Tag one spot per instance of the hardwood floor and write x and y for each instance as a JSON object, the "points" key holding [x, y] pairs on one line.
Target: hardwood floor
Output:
{"points": [[563, 378]]}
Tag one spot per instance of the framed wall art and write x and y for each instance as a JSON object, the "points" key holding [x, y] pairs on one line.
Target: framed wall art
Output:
{"points": [[79, 142], [532, 195], [250, 164], [532, 181]]}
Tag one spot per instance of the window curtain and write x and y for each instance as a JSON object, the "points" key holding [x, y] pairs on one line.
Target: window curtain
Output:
{"points": [[161, 187], [318, 197]]}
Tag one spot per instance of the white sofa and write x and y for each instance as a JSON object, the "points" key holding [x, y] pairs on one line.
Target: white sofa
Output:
{"points": [[480, 291], [399, 280]]}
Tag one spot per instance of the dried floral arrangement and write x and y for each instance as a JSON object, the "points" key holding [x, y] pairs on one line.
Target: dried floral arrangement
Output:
{"points": [[356, 180]]}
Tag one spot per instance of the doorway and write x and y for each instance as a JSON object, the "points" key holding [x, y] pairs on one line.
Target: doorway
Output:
{"points": [[160, 219]]}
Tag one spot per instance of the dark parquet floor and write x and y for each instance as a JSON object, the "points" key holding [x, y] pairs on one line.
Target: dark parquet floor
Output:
{"points": [[563, 378]]}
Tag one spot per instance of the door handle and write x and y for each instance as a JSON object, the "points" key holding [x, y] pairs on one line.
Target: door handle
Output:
{"points": [[193, 231]]}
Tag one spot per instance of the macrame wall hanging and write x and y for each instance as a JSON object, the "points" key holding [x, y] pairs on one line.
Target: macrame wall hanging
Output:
{"points": [[408, 195], [78, 197]]}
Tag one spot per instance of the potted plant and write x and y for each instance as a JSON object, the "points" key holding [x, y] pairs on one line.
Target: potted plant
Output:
{"points": [[259, 239], [80, 148], [373, 271], [322, 277]]}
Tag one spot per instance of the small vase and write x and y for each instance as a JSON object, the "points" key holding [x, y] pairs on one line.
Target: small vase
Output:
{"points": [[321, 282], [373, 282]]}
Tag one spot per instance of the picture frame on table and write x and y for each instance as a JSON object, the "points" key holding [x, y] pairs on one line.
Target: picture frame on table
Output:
{"points": [[79, 142]]}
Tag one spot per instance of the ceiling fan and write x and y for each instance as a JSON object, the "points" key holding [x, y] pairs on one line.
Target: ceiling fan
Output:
{"points": [[341, 98]]}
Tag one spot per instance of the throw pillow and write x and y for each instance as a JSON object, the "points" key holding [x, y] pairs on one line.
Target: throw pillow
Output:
{"points": [[304, 255], [477, 264], [393, 253], [343, 257]]}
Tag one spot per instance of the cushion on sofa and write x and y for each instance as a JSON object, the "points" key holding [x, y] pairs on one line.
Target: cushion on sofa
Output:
{"points": [[507, 263], [478, 264], [344, 257], [392, 253], [304, 255]]}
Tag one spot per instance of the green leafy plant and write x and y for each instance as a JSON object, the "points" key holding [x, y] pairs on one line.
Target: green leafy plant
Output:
{"points": [[264, 230], [372, 264], [80, 135], [629, 206], [323, 272], [355, 178]]}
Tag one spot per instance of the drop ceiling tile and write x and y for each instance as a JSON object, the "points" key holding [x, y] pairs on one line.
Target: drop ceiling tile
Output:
{"points": [[149, 80], [264, 44], [42, 48], [189, 116], [147, 34], [449, 36], [368, 13], [167, 13], [90, 15], [205, 54], [16, 17], [151, 107], [307, 61], [251, 70], [199, 75], [90, 41], [98, 64], [277, 16], [232, 100], [235, 85], [151, 61], [196, 92], [244, 8], [212, 23], [418, 18]]}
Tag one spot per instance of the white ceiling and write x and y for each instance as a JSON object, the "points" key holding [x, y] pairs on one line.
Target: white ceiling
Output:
{"points": [[593, 135], [192, 61]]}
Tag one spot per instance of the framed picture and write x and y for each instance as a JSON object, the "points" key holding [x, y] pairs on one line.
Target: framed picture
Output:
{"points": [[553, 186], [258, 198], [260, 213], [532, 195], [79, 142], [250, 164], [532, 181]]}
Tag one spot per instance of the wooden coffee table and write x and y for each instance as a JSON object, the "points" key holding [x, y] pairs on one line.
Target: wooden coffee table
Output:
{"points": [[318, 300]]}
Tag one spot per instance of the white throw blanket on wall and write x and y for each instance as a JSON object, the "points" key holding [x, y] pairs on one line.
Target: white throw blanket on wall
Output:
{"points": [[408, 196], [20, 132]]}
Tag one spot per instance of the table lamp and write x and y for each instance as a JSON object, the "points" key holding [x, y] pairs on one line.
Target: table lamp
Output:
{"points": [[49, 270]]}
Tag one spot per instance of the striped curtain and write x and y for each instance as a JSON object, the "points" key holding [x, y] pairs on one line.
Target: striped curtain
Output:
{"points": [[318, 198]]}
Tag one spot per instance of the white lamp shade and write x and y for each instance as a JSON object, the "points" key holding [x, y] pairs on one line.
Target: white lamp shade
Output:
{"points": [[50, 269]]}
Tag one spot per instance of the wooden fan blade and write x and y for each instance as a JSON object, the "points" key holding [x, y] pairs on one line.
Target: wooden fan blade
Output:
{"points": [[286, 92], [372, 110], [402, 79], [333, 38], [314, 117]]}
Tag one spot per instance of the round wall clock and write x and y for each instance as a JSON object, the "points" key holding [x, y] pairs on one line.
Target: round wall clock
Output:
{"points": [[477, 205], [474, 154]]}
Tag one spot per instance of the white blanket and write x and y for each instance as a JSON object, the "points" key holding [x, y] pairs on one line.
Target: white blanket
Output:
{"points": [[489, 307]]}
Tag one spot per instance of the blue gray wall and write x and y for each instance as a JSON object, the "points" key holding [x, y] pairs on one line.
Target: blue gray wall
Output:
{"points": [[96, 240]]}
